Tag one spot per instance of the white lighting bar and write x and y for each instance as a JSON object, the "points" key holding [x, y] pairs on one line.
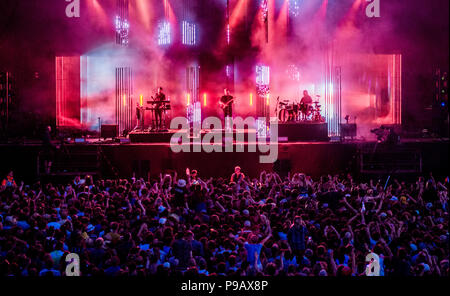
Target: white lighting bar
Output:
{"points": [[164, 33], [188, 37]]}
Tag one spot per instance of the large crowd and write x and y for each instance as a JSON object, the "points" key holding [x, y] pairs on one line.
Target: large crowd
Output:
{"points": [[195, 226]]}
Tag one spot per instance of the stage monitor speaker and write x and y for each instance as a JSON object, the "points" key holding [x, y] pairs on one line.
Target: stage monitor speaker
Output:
{"points": [[348, 130], [292, 132], [109, 131]]}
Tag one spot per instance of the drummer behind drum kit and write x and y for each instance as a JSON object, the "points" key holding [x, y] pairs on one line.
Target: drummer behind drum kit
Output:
{"points": [[295, 112]]}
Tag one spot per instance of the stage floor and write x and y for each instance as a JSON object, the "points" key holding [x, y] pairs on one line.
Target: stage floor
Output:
{"points": [[411, 156]]}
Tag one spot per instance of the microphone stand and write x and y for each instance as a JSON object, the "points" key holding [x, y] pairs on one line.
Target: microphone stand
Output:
{"points": [[276, 107]]}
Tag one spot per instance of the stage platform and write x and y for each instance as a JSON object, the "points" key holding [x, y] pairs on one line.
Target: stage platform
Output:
{"points": [[150, 137], [287, 132], [111, 159], [303, 131]]}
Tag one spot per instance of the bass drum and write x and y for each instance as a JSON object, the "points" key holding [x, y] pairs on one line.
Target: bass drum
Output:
{"points": [[303, 108], [282, 115]]}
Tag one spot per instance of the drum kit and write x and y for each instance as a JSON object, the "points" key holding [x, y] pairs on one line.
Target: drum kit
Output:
{"points": [[294, 112]]}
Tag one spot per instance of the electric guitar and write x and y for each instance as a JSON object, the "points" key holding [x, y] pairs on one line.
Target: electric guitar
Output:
{"points": [[224, 105]]}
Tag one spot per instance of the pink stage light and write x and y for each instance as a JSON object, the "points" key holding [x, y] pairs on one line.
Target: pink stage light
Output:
{"points": [[204, 99], [237, 13]]}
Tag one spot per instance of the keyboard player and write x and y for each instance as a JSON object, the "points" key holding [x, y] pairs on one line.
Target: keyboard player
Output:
{"points": [[158, 104]]}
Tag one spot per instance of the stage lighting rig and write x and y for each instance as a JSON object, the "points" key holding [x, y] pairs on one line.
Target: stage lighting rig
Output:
{"points": [[294, 7], [189, 33], [164, 30]]}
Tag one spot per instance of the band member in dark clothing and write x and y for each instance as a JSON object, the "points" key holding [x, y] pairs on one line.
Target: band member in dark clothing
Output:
{"points": [[226, 103], [48, 149], [159, 98], [305, 104], [139, 115], [306, 98]]}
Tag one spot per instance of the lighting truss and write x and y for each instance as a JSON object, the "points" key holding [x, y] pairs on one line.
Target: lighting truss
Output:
{"points": [[293, 73], [294, 7], [263, 78], [262, 98], [122, 30], [264, 10], [188, 30], [164, 37], [122, 24]]}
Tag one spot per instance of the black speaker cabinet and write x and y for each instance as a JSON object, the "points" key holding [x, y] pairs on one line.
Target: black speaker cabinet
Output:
{"points": [[109, 131], [348, 130]]}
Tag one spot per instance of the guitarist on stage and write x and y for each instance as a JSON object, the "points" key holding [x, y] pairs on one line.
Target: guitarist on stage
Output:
{"points": [[226, 103]]}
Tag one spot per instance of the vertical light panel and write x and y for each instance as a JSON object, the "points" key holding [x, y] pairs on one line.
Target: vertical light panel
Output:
{"points": [[122, 24], [84, 78], [188, 33], [124, 99], [192, 89], [197, 113], [333, 97], [396, 89], [262, 90], [334, 107], [164, 33], [68, 91], [294, 8]]}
